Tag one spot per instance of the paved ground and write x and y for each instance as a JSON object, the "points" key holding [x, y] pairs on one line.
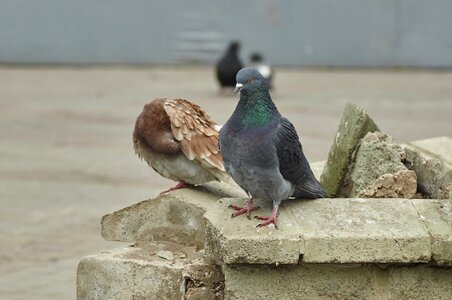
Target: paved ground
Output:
{"points": [[66, 156]]}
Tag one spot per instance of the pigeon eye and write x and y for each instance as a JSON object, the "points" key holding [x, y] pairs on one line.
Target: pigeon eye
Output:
{"points": [[251, 80]]}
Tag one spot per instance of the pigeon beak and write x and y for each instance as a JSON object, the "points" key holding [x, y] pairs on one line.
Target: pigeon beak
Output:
{"points": [[238, 88]]}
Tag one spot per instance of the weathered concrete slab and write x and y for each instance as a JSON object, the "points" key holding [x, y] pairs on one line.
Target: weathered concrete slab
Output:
{"points": [[317, 281], [438, 147], [176, 216], [140, 273], [354, 125], [431, 160], [437, 217], [362, 230], [327, 231]]}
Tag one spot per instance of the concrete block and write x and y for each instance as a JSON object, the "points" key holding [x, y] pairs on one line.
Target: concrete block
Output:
{"points": [[354, 125], [237, 240], [323, 281], [431, 160], [128, 273], [437, 217], [176, 216], [321, 231], [376, 163], [139, 273]]}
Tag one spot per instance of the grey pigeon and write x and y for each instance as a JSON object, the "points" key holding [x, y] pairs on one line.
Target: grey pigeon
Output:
{"points": [[229, 65], [261, 150], [257, 61]]}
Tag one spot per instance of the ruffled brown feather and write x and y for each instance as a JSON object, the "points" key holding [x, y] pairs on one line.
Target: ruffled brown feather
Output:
{"points": [[195, 131]]}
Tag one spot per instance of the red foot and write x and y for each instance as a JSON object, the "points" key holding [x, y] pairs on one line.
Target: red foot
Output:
{"points": [[247, 209], [271, 219], [180, 185]]}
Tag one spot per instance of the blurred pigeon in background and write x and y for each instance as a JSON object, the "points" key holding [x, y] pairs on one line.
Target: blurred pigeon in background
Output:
{"points": [[179, 141], [257, 61], [261, 150], [229, 65]]}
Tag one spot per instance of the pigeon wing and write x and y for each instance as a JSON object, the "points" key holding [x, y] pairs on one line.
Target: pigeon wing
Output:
{"points": [[293, 164], [196, 132]]}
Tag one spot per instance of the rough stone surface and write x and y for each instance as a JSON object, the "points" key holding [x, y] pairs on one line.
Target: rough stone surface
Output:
{"points": [[176, 216], [139, 273], [319, 281], [322, 231], [431, 160], [401, 184], [377, 155], [203, 282], [354, 125]]}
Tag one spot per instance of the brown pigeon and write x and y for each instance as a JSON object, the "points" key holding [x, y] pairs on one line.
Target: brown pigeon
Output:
{"points": [[179, 141]]}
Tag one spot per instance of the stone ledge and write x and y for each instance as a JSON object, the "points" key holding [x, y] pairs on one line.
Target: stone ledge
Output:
{"points": [[176, 216], [334, 231]]}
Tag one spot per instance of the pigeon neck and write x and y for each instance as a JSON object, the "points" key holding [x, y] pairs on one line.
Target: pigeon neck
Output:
{"points": [[256, 110]]}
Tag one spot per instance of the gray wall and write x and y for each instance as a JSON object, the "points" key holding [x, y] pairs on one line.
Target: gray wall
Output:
{"points": [[287, 32]]}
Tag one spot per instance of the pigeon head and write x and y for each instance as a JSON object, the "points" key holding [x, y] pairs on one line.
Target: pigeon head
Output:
{"points": [[234, 47], [250, 80], [256, 58]]}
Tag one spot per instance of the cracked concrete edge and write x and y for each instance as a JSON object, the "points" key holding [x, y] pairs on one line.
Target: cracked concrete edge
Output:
{"points": [[436, 216]]}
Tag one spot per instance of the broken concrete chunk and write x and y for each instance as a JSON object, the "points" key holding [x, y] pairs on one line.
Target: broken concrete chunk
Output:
{"points": [[355, 124], [431, 160], [377, 161], [402, 184]]}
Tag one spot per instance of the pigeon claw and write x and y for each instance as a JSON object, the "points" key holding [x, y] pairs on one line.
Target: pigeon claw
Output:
{"points": [[180, 185], [272, 219], [247, 209]]}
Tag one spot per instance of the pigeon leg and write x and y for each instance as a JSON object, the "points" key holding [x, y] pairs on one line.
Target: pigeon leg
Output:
{"points": [[247, 209], [271, 219], [180, 185]]}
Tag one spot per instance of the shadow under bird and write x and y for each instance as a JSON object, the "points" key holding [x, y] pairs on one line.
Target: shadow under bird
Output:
{"points": [[229, 65], [179, 141], [262, 152]]}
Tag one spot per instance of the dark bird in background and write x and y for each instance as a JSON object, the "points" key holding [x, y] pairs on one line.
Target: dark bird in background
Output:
{"points": [[229, 65], [257, 61], [262, 152], [179, 141]]}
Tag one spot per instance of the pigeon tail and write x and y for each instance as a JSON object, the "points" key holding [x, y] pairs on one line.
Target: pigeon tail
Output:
{"points": [[309, 189]]}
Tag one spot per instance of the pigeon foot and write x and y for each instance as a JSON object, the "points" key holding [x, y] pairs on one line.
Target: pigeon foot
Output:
{"points": [[272, 219], [247, 209], [180, 185]]}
